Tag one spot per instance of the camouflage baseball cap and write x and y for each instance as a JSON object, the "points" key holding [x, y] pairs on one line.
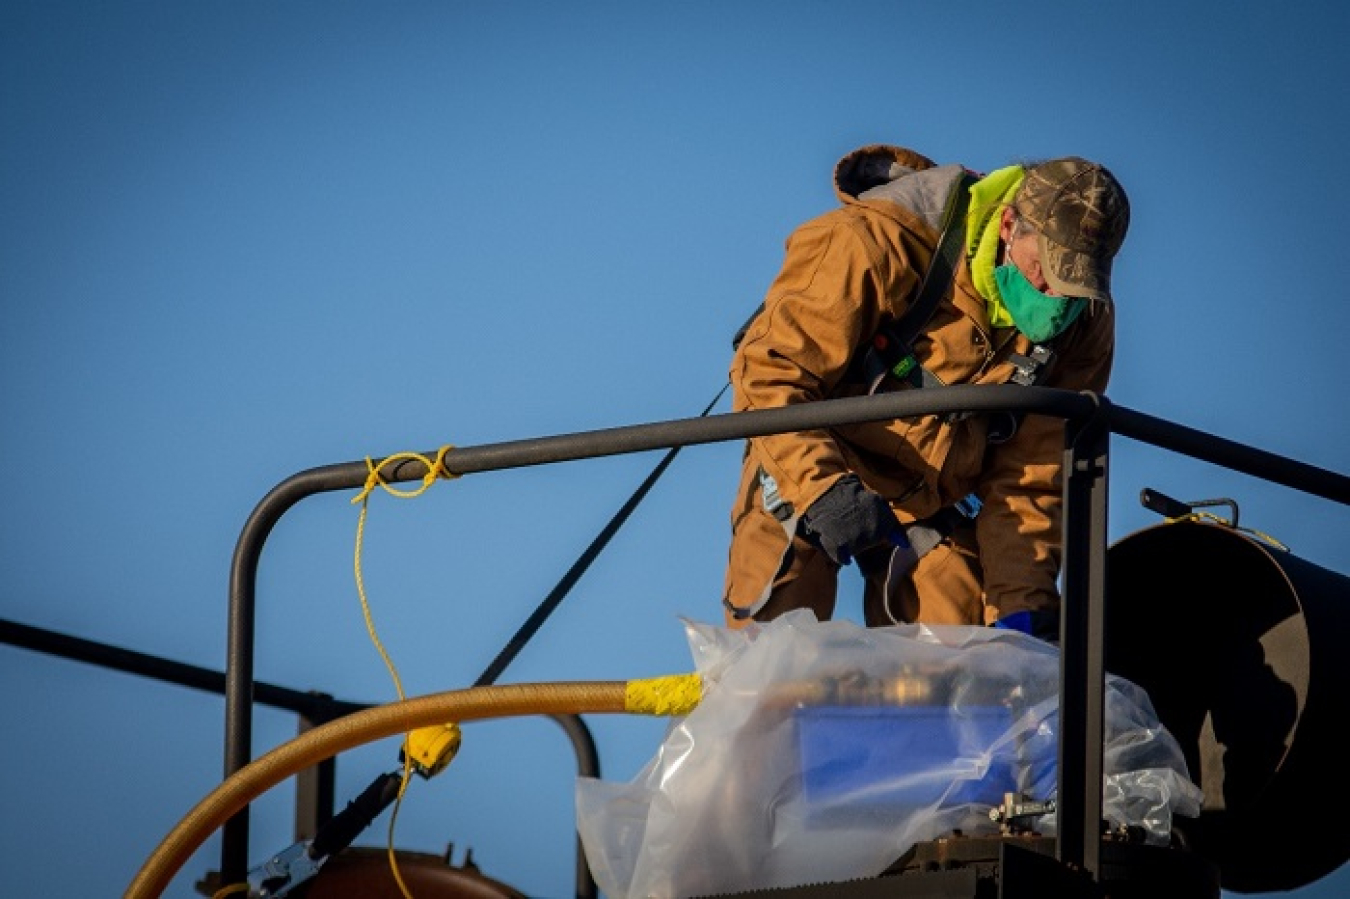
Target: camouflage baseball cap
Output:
{"points": [[1081, 213]]}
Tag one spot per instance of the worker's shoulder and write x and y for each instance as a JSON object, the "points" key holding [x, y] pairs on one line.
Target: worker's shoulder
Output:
{"points": [[855, 225]]}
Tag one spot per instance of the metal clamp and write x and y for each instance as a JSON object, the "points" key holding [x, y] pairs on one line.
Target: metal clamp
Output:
{"points": [[283, 872]]}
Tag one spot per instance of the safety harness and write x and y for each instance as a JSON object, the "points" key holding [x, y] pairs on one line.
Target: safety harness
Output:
{"points": [[890, 352], [891, 349]]}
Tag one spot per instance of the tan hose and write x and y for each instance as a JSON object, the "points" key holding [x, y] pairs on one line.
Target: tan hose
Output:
{"points": [[357, 729]]}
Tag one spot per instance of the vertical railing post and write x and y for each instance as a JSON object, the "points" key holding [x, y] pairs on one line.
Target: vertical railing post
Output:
{"points": [[315, 792], [1082, 644]]}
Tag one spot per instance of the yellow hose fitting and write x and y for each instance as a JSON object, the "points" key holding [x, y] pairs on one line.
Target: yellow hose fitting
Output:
{"points": [[431, 749], [672, 695]]}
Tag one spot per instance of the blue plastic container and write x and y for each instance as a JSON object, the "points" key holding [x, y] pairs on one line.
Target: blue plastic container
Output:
{"points": [[860, 760]]}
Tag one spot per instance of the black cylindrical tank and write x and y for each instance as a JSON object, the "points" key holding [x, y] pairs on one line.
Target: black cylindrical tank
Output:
{"points": [[1244, 650]]}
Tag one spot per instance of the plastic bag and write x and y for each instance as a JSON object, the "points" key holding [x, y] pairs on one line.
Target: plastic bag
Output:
{"points": [[823, 751]]}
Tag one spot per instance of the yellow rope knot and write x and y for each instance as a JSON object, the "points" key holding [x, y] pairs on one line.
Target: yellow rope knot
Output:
{"points": [[435, 470]]}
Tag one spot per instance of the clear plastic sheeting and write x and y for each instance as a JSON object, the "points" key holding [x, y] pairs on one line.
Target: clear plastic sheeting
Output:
{"points": [[823, 751]]}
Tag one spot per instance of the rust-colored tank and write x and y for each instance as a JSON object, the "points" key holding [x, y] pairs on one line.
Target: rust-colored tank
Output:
{"points": [[361, 872]]}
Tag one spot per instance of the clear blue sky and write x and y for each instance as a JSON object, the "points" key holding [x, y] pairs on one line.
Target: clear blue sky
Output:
{"points": [[244, 239]]}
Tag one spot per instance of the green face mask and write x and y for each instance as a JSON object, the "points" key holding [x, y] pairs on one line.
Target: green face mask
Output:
{"points": [[1037, 315]]}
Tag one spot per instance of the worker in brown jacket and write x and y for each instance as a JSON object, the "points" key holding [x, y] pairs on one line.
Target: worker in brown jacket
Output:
{"points": [[952, 519]]}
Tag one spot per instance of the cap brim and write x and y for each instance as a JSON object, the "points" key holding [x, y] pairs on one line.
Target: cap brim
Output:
{"points": [[1073, 273]]}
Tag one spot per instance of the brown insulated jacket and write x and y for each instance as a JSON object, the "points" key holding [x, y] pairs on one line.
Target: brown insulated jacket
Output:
{"points": [[844, 274]]}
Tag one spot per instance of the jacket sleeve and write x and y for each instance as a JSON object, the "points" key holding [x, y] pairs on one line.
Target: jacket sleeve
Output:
{"points": [[1020, 527], [828, 296]]}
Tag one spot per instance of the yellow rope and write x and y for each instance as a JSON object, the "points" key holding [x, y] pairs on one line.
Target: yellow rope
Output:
{"points": [[435, 470], [393, 817]]}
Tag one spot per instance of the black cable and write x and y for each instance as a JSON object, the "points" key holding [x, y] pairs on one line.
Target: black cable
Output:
{"points": [[555, 596], [347, 824]]}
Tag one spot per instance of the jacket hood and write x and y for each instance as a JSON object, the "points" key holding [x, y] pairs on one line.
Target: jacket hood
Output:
{"points": [[874, 165], [902, 180]]}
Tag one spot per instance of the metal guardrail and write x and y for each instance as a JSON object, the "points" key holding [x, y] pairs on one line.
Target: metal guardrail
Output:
{"points": [[1089, 420]]}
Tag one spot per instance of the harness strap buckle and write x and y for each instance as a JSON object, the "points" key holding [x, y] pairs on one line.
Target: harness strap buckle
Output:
{"points": [[1030, 368]]}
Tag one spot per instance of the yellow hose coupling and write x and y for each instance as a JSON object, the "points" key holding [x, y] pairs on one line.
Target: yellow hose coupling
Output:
{"points": [[430, 749]]}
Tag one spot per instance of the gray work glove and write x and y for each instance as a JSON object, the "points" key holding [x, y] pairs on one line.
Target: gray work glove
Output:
{"points": [[848, 519]]}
